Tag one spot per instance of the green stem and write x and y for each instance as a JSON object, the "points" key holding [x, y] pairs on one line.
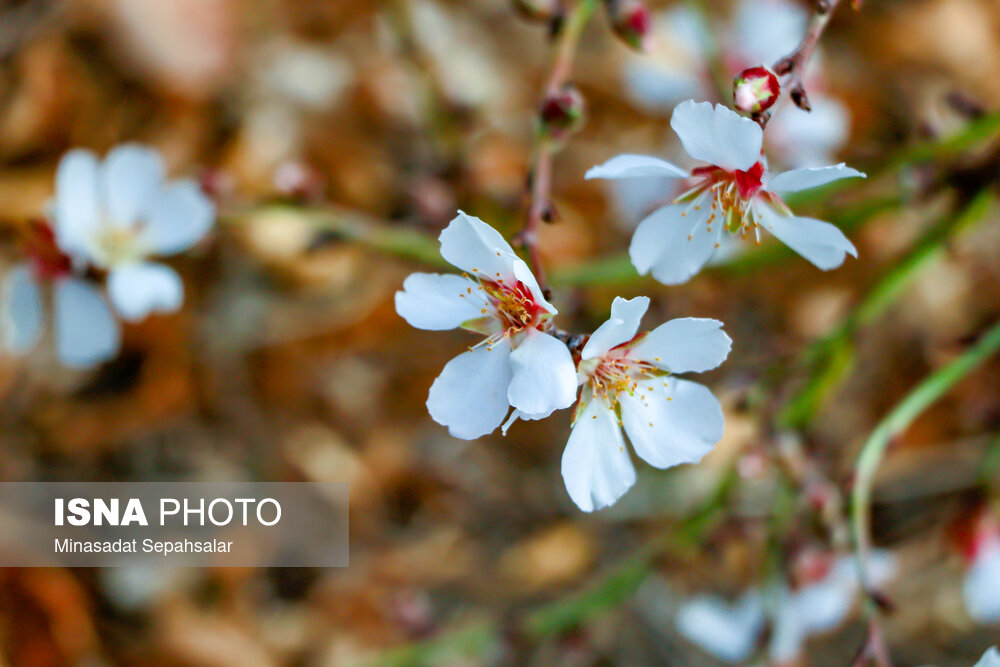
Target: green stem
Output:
{"points": [[832, 357], [897, 421], [612, 589]]}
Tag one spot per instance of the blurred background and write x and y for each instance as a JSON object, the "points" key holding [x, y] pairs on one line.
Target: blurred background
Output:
{"points": [[339, 138]]}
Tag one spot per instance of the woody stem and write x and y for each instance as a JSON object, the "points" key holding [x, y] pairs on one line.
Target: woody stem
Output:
{"points": [[795, 63], [540, 207]]}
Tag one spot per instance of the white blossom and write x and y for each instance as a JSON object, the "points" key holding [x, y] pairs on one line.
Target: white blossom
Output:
{"points": [[84, 330], [677, 66], [990, 659], [731, 631], [628, 384], [518, 363], [118, 214], [733, 195]]}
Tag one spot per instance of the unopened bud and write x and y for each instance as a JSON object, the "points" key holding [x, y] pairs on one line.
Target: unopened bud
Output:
{"points": [[755, 90], [631, 20], [540, 10], [562, 112]]}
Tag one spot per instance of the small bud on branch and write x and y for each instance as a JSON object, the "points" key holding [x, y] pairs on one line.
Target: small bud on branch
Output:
{"points": [[631, 20]]}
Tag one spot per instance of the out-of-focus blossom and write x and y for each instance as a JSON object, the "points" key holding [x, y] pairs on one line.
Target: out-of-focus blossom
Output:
{"points": [[990, 659], [117, 214], [631, 21], [677, 67], [518, 364], [731, 631], [733, 194], [627, 384], [981, 586], [84, 330]]}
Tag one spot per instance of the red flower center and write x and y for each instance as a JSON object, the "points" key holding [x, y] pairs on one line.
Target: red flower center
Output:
{"points": [[48, 262]]}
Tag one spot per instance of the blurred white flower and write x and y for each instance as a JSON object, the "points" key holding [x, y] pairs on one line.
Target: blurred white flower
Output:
{"points": [[990, 659], [518, 364], [677, 67], [627, 384], [981, 585], [731, 631], [84, 330], [734, 194], [116, 215]]}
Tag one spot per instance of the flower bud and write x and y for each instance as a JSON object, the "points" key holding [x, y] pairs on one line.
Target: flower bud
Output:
{"points": [[755, 90], [631, 20], [540, 10], [562, 112]]}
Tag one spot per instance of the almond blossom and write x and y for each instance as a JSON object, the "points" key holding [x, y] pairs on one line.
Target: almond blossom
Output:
{"points": [[733, 195], [84, 330], [731, 631], [990, 659], [628, 384], [118, 214], [519, 363], [678, 66]]}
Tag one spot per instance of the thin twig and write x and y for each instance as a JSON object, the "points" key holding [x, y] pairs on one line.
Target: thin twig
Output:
{"points": [[795, 63], [897, 421], [540, 207]]}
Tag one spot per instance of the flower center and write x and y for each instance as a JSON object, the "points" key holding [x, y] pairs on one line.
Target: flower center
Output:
{"points": [[515, 306], [731, 194], [614, 374], [116, 244]]}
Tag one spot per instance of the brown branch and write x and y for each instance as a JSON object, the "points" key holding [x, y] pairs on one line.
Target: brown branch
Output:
{"points": [[795, 63], [540, 206]]}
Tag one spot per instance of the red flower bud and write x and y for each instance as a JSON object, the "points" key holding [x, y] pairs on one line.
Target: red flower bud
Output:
{"points": [[631, 20], [755, 90], [562, 112]]}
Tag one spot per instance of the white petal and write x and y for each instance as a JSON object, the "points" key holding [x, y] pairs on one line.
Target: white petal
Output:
{"points": [[819, 242], [671, 421], [516, 414], [470, 394], [596, 467], [717, 135], [544, 374], [685, 345], [130, 176], [661, 242], [675, 242], [635, 166], [824, 605], [179, 216], [77, 201], [437, 302], [811, 177], [789, 630], [626, 314], [137, 290], [990, 659], [524, 275], [22, 310], [85, 330], [981, 587], [727, 631], [636, 198], [473, 246]]}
